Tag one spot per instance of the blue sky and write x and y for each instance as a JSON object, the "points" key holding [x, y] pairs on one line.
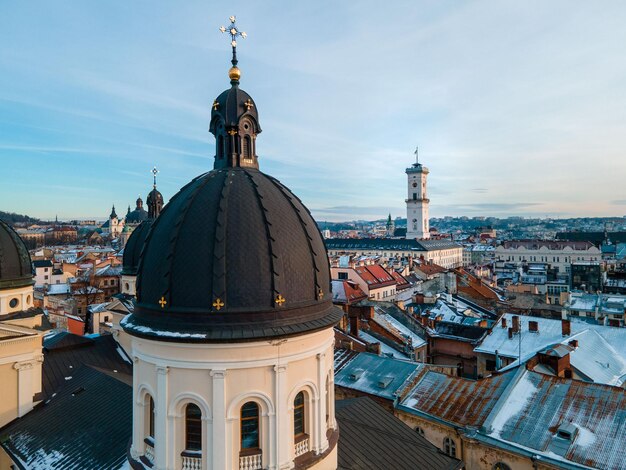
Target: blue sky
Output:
{"points": [[518, 107]]}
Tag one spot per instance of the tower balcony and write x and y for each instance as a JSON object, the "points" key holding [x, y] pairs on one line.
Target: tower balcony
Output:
{"points": [[424, 199], [192, 460], [251, 459]]}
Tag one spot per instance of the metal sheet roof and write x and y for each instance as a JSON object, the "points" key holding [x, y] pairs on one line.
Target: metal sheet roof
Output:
{"points": [[454, 399], [87, 424], [367, 372], [537, 405]]}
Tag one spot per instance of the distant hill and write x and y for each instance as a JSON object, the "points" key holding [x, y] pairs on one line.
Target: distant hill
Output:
{"points": [[18, 219]]}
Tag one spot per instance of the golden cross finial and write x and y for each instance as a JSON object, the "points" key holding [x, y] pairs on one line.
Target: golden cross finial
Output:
{"points": [[232, 132], [320, 294], [215, 105], [218, 304], [163, 302], [154, 173], [248, 104], [280, 300]]}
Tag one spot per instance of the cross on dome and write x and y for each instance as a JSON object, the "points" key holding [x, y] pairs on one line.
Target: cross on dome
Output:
{"points": [[154, 174], [234, 33]]}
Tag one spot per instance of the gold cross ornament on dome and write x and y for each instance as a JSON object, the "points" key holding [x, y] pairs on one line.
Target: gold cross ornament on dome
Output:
{"points": [[320, 294], [232, 132], [248, 104], [215, 105], [218, 304], [163, 302], [280, 300]]}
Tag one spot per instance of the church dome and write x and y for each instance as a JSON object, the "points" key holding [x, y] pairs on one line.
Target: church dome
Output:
{"points": [[15, 264], [133, 248], [138, 215], [234, 256]]}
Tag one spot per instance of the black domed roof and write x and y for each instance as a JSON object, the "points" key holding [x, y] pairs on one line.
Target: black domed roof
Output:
{"points": [[234, 256], [154, 196], [230, 106], [134, 245], [15, 264]]}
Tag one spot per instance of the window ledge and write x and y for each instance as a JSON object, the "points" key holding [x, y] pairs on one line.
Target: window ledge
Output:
{"points": [[192, 453], [300, 437], [245, 452]]}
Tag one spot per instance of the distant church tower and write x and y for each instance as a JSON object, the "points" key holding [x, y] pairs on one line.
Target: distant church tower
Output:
{"points": [[417, 201]]}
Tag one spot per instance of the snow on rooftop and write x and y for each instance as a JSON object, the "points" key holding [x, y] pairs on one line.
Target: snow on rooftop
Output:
{"points": [[385, 350], [519, 398], [417, 341]]}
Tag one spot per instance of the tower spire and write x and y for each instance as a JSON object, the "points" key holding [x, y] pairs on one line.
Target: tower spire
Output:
{"points": [[234, 73], [154, 174], [417, 158]]}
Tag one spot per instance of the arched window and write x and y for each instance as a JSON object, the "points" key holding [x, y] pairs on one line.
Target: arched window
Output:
{"points": [[220, 146], [420, 431], [298, 415], [449, 447], [193, 427], [500, 466], [151, 418], [247, 147], [250, 426]]}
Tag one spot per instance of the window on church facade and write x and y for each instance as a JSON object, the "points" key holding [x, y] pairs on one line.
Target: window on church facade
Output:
{"points": [[247, 147], [449, 447], [298, 415], [151, 418], [193, 427], [250, 426]]}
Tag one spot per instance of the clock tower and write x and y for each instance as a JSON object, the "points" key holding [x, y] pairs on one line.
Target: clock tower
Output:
{"points": [[417, 201]]}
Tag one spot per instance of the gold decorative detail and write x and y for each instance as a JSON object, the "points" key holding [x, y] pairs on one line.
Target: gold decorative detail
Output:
{"points": [[320, 294], [248, 104], [215, 105], [232, 132], [234, 73], [163, 302], [280, 300], [218, 304]]}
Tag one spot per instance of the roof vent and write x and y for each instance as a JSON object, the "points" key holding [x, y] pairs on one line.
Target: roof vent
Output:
{"points": [[78, 391], [356, 374], [566, 431], [384, 382]]}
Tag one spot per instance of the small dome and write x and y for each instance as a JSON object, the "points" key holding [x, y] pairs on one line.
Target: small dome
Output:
{"points": [[230, 106], [137, 216], [234, 256], [15, 264], [154, 196], [133, 247]]}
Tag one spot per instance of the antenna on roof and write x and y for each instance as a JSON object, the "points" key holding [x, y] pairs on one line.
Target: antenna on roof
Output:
{"points": [[417, 158]]}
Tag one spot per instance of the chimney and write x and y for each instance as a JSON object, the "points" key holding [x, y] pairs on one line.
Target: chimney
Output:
{"points": [[515, 324], [533, 327], [573, 343], [566, 329], [511, 333], [503, 322], [354, 325]]}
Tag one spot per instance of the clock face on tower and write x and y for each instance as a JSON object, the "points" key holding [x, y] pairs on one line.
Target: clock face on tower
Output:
{"points": [[415, 185]]}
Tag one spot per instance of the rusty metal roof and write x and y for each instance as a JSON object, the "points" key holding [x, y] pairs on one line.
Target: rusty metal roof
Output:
{"points": [[454, 399], [538, 405]]}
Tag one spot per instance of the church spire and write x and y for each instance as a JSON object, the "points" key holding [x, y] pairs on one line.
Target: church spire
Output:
{"points": [[155, 198], [234, 118], [113, 214]]}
